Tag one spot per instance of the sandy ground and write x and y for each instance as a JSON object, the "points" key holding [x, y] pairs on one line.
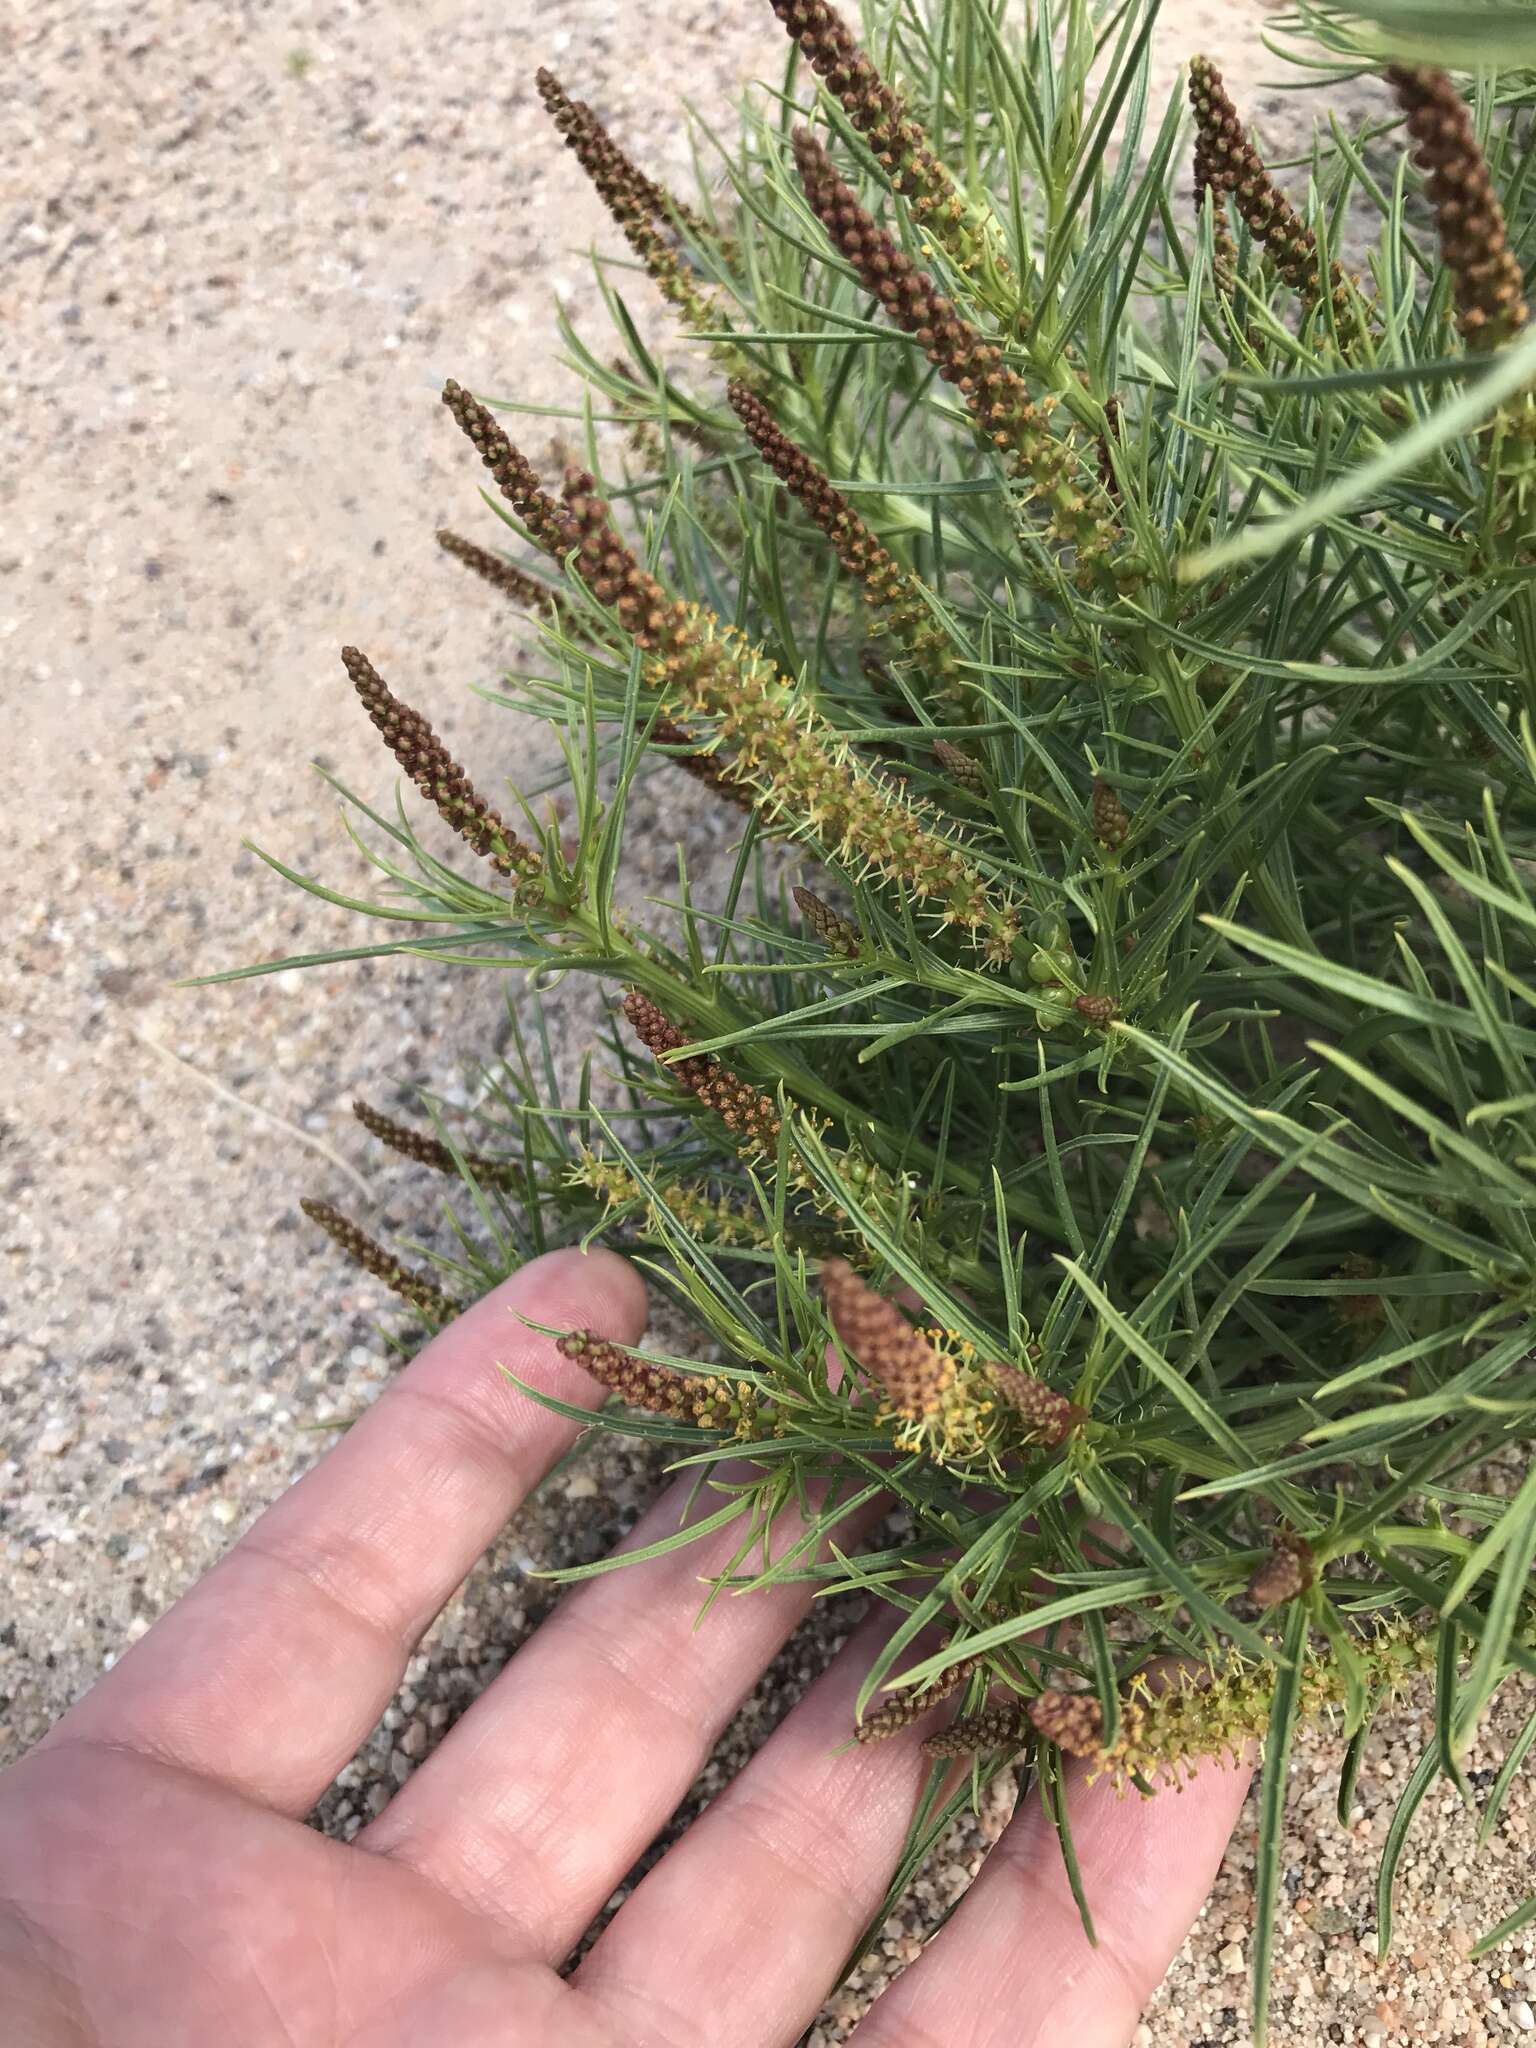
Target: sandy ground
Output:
{"points": [[240, 247]]}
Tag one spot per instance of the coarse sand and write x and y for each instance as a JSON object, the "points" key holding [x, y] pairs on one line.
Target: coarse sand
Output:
{"points": [[242, 246]]}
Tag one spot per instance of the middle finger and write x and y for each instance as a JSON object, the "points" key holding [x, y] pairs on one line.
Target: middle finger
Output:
{"points": [[566, 1769]]}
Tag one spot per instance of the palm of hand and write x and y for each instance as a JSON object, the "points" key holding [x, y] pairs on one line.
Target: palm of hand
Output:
{"points": [[181, 1914], [157, 1885]]}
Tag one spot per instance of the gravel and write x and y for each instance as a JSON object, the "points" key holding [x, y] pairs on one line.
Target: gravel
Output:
{"points": [[239, 249]]}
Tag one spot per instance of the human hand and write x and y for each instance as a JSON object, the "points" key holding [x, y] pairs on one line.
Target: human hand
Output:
{"points": [[158, 1890]]}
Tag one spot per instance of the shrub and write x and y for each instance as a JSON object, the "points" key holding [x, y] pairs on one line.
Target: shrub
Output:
{"points": [[1113, 620]]}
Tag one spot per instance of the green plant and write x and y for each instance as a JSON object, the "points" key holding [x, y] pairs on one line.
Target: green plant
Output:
{"points": [[1126, 613]]}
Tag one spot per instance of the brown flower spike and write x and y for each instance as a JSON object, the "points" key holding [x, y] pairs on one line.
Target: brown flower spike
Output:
{"points": [[1226, 161], [876, 109], [501, 574], [1074, 1721], [1078, 514], [1288, 1571], [837, 933], [1050, 1417], [1110, 819], [903, 1708], [799, 766], [704, 1399], [891, 590], [1490, 291], [544, 516], [703, 766], [961, 769], [639, 205], [414, 1144], [428, 1300], [748, 1114], [621, 184], [440, 778], [1169, 1720], [992, 1728], [877, 1336]]}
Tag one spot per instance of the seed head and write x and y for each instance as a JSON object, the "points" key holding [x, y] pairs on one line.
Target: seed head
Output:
{"points": [[545, 517]]}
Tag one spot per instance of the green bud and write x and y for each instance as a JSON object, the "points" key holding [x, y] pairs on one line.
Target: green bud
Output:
{"points": [[1046, 967]]}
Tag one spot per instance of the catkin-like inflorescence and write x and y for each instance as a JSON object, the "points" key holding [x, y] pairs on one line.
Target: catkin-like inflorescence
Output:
{"points": [[964, 772], [1110, 819], [621, 184], [1074, 1721], [895, 594], [1048, 1416], [702, 765], [1287, 1572], [428, 1151], [501, 574], [544, 516], [751, 1117], [1210, 190], [1226, 161], [704, 1398], [1098, 1010], [1474, 241], [903, 1708], [801, 769], [365, 1251], [440, 778], [999, 1727], [837, 933], [1169, 1720], [1078, 514], [640, 207], [880, 114], [877, 1336]]}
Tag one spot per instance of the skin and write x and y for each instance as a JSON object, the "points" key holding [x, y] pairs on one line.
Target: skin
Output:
{"points": [[158, 1888]]}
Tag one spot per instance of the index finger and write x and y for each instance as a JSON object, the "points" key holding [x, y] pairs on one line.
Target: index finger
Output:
{"points": [[268, 1674]]}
